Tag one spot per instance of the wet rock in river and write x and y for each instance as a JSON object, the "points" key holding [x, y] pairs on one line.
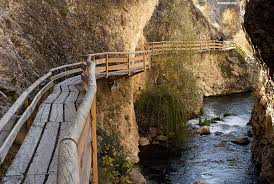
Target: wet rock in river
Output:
{"points": [[153, 132], [143, 141], [218, 133], [200, 182], [241, 141], [204, 130], [161, 138], [136, 177]]}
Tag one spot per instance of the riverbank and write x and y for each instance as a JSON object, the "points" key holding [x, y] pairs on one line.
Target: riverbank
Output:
{"points": [[212, 158]]}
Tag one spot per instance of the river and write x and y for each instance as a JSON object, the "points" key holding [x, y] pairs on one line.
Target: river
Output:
{"points": [[212, 158]]}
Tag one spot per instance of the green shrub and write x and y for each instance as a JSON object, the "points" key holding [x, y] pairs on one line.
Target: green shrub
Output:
{"points": [[114, 166], [204, 122], [160, 107]]}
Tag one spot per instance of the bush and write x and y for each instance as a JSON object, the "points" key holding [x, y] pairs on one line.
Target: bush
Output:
{"points": [[114, 166], [160, 107]]}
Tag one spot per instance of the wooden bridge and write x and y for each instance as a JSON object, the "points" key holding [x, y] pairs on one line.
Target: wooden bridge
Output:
{"points": [[55, 118]]}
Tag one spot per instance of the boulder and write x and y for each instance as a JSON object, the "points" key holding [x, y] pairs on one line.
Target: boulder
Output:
{"points": [[200, 182], [136, 177], [241, 141], [153, 132], [143, 141], [161, 138], [204, 130], [218, 133]]}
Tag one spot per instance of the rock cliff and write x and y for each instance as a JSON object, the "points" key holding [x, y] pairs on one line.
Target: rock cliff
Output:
{"points": [[258, 24]]}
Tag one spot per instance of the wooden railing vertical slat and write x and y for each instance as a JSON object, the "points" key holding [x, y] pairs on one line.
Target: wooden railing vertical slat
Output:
{"points": [[94, 143], [144, 60], [128, 56], [107, 65]]}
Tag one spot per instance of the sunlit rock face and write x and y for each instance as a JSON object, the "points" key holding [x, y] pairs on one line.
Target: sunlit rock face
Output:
{"points": [[259, 25]]}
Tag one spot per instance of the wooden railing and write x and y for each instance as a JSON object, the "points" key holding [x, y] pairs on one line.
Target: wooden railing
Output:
{"points": [[23, 110], [77, 151], [208, 45]]}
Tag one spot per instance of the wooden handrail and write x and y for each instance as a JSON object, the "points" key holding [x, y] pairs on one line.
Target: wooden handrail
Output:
{"points": [[69, 168], [30, 107]]}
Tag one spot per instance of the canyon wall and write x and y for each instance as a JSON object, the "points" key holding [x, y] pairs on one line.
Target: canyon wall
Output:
{"points": [[38, 35], [258, 24]]}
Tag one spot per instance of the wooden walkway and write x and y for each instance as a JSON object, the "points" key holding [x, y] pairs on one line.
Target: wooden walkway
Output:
{"points": [[36, 160], [65, 120]]}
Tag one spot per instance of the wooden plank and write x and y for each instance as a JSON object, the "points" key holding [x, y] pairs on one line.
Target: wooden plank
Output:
{"points": [[44, 153], [94, 142], [70, 111], [65, 88], [52, 178], [56, 113], [138, 65], [100, 69], [118, 67], [100, 61], [66, 66], [17, 179], [34, 178], [73, 88], [138, 58], [117, 60], [72, 97], [53, 96], [70, 72], [61, 98], [23, 157], [42, 115]]}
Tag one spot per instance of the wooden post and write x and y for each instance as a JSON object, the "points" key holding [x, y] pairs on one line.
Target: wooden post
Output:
{"points": [[144, 58], [106, 65], [128, 56], [94, 143], [29, 121], [85, 74]]}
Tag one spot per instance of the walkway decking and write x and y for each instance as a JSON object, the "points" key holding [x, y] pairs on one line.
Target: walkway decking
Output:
{"points": [[36, 160]]}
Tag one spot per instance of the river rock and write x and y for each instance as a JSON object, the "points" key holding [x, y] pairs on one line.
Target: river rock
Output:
{"points": [[136, 177], [218, 133], [161, 138], [204, 130], [241, 141], [143, 141], [200, 182], [153, 132]]}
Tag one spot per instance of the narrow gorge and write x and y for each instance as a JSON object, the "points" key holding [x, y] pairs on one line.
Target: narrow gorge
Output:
{"points": [[198, 109]]}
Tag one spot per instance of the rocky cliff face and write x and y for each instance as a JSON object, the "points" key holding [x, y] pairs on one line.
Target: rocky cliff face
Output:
{"points": [[178, 20], [258, 24], [262, 122], [38, 35], [223, 73]]}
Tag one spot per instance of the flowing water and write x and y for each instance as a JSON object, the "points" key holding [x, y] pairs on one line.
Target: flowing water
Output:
{"points": [[212, 158]]}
